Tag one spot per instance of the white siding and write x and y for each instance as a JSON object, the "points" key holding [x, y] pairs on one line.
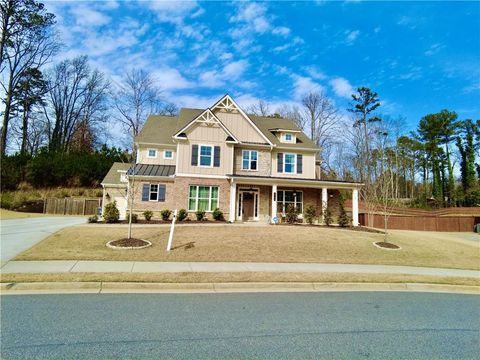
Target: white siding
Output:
{"points": [[308, 165], [159, 160]]}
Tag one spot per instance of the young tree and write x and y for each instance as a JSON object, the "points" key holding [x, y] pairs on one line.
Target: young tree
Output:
{"points": [[27, 42], [137, 96]]}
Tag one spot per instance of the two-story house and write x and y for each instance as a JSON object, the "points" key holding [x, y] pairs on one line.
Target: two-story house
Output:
{"points": [[250, 167]]}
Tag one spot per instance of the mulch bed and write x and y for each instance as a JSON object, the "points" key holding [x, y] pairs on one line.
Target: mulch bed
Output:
{"points": [[156, 222], [129, 243], [353, 228], [387, 245]]}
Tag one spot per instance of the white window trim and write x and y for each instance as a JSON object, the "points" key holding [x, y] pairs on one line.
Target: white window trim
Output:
{"points": [[155, 192], [284, 138], [200, 152], [148, 153], [294, 163], [209, 197], [165, 154], [249, 160], [295, 202]]}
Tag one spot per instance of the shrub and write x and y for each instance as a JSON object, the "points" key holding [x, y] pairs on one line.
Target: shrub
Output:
{"points": [[291, 214], [134, 218], [165, 214], [218, 214], [327, 217], [200, 214], [147, 214], [111, 213], [310, 213], [182, 214], [93, 219], [343, 219]]}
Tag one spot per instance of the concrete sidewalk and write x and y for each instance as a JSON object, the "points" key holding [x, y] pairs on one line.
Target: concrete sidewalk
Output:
{"points": [[74, 266]]}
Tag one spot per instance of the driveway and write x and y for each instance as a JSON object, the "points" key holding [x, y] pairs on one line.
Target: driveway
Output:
{"points": [[18, 235]]}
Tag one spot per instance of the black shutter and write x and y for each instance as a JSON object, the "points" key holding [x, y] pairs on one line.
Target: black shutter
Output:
{"points": [[299, 163], [161, 192], [216, 156], [194, 155], [146, 192], [280, 162]]}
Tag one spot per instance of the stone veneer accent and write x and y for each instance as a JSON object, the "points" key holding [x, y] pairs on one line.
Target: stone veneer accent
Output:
{"points": [[176, 196], [264, 165]]}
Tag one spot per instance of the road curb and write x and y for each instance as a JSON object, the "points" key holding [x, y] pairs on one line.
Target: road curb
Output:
{"points": [[239, 287]]}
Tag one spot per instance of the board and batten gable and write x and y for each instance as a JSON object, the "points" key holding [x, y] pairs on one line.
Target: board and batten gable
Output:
{"points": [[143, 158], [239, 126], [308, 164], [204, 134]]}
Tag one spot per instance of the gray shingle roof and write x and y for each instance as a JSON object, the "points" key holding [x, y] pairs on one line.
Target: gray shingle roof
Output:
{"points": [[160, 129], [113, 175], [152, 170]]}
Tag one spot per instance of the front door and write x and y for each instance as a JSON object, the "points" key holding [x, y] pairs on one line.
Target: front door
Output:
{"points": [[248, 204]]}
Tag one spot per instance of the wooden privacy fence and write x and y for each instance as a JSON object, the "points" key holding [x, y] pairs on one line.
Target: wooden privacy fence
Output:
{"points": [[72, 206], [421, 223]]}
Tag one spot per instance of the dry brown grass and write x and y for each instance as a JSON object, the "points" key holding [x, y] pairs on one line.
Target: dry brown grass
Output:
{"points": [[236, 277], [7, 214], [259, 244]]}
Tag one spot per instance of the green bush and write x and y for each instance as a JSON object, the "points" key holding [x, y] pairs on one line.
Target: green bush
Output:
{"points": [[93, 219], [165, 214], [291, 214], [200, 214], [111, 213], [218, 215], [343, 219], [327, 217], [147, 214], [182, 214], [134, 218], [310, 214]]}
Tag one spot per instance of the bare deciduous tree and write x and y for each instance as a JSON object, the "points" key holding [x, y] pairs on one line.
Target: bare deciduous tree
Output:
{"points": [[293, 113], [138, 96], [76, 95], [261, 108]]}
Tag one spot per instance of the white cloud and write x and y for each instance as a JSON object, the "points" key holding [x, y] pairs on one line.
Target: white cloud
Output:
{"points": [[303, 85], [171, 79], [173, 11], [351, 36], [315, 73], [341, 87], [377, 29], [230, 72], [281, 30], [435, 48], [88, 17], [235, 69]]}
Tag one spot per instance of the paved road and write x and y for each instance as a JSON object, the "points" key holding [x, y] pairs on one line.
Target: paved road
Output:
{"points": [[270, 326], [18, 235]]}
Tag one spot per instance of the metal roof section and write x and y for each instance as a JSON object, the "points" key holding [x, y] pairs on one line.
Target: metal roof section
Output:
{"points": [[151, 170]]}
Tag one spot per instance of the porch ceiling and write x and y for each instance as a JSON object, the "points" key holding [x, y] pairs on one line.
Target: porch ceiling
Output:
{"points": [[308, 183]]}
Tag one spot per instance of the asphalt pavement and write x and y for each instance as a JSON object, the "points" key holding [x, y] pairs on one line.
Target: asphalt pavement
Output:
{"points": [[242, 326], [18, 235]]}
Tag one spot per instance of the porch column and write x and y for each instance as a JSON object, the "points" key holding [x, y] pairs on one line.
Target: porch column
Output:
{"points": [[324, 203], [355, 207], [233, 197], [274, 202]]}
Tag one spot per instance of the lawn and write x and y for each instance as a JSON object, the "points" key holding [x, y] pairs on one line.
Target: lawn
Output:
{"points": [[8, 214], [260, 244]]}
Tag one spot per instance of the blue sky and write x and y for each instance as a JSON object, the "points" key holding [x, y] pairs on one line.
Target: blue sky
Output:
{"points": [[420, 57]]}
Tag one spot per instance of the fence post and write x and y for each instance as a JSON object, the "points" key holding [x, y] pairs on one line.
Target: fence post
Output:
{"points": [[84, 203]]}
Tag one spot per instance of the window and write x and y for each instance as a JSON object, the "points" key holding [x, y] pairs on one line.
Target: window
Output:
{"points": [[286, 197], [168, 154], [202, 198], [153, 192], [249, 160], [289, 161], [152, 153], [288, 138], [205, 157]]}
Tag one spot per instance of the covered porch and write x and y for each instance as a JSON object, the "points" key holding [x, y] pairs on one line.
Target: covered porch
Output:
{"points": [[264, 199]]}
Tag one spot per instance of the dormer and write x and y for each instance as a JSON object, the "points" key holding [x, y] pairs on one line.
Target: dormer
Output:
{"points": [[286, 136]]}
